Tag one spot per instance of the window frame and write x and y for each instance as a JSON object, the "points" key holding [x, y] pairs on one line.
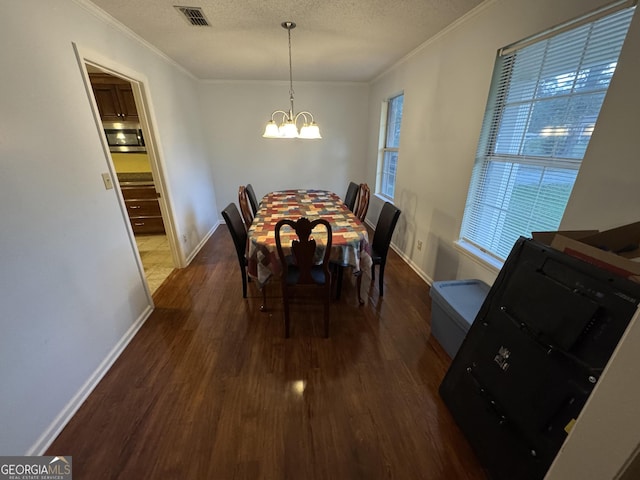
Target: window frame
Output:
{"points": [[489, 157], [384, 150]]}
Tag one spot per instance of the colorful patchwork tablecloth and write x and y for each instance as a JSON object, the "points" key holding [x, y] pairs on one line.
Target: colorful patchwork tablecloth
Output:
{"points": [[350, 239]]}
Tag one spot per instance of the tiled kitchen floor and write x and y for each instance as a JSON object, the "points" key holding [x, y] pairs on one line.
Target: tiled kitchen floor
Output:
{"points": [[156, 258]]}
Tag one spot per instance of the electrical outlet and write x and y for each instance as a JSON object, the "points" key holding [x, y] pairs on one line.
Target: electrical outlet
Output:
{"points": [[184, 238], [419, 244], [108, 184]]}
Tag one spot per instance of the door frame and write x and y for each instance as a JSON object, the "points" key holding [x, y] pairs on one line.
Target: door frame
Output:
{"points": [[139, 84]]}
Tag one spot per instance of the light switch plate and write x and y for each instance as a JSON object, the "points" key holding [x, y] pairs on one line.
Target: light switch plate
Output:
{"points": [[108, 183]]}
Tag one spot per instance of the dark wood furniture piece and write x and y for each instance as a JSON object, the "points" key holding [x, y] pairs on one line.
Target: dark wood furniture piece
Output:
{"points": [[245, 208], [141, 200], [350, 197], [382, 239], [362, 206], [300, 268], [114, 97], [350, 242], [360, 211], [252, 198], [238, 233]]}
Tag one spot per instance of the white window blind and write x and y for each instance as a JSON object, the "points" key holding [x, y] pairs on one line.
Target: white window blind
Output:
{"points": [[543, 106], [389, 152]]}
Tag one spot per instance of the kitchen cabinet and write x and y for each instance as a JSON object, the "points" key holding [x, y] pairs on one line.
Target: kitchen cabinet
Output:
{"points": [[114, 97], [143, 208]]}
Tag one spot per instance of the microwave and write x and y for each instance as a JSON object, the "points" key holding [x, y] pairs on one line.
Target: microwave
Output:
{"points": [[124, 137]]}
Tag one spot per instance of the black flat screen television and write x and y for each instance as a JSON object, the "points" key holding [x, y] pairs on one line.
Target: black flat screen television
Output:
{"points": [[533, 355]]}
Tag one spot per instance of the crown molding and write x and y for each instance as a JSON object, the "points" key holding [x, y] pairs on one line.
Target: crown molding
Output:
{"points": [[105, 17], [449, 28]]}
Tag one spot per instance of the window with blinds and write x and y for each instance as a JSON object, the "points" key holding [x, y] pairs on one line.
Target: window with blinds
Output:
{"points": [[543, 105], [388, 162]]}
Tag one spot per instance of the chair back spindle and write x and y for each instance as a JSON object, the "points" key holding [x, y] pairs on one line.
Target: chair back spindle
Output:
{"points": [[243, 200], [363, 202]]}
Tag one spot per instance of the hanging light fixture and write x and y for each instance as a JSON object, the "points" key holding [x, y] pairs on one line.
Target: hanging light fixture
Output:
{"points": [[288, 126]]}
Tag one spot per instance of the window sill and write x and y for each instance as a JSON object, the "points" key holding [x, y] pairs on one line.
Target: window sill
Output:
{"points": [[382, 197], [478, 256]]}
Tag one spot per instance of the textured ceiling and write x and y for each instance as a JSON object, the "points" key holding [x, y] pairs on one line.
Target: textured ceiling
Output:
{"points": [[335, 40]]}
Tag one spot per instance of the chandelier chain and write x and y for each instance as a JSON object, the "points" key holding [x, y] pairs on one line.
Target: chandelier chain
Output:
{"points": [[290, 69]]}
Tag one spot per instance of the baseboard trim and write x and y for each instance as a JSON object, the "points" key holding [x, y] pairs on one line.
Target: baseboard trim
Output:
{"points": [[195, 251], [61, 420], [428, 280], [54, 429]]}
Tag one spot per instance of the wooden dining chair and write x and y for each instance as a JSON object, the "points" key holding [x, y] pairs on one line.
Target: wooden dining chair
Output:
{"points": [[243, 200], [350, 197], [382, 240], [302, 268], [238, 233], [253, 201], [363, 202], [360, 211]]}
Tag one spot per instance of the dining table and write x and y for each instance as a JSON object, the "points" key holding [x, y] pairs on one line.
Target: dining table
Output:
{"points": [[350, 239]]}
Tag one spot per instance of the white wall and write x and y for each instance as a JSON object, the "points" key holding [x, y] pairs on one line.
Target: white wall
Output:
{"points": [[446, 84], [70, 288], [234, 116], [606, 192]]}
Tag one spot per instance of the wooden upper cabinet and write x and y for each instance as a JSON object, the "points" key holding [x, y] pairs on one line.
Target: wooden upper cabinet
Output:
{"points": [[114, 97], [127, 102]]}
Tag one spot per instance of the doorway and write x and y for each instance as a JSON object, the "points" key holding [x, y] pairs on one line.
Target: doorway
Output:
{"points": [[137, 171]]}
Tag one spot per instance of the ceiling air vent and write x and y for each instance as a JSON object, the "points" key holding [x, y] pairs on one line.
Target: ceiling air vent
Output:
{"points": [[193, 15]]}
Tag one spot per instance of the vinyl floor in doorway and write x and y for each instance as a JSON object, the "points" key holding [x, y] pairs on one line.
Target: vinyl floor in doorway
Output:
{"points": [[156, 259]]}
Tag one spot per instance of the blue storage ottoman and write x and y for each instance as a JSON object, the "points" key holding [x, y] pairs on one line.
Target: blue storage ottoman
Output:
{"points": [[454, 307]]}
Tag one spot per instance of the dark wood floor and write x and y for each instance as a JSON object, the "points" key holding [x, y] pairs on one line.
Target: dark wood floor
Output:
{"points": [[210, 389]]}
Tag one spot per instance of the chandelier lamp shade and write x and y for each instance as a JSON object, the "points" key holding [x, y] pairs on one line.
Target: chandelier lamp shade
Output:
{"points": [[284, 124]]}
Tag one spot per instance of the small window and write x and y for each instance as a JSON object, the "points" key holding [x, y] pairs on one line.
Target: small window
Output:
{"points": [[544, 102], [389, 142]]}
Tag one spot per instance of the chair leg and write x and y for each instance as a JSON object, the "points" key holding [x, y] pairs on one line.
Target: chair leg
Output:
{"points": [[358, 286], [381, 279], [373, 272], [244, 283]]}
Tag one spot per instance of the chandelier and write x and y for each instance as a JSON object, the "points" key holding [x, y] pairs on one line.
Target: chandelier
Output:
{"points": [[287, 126]]}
